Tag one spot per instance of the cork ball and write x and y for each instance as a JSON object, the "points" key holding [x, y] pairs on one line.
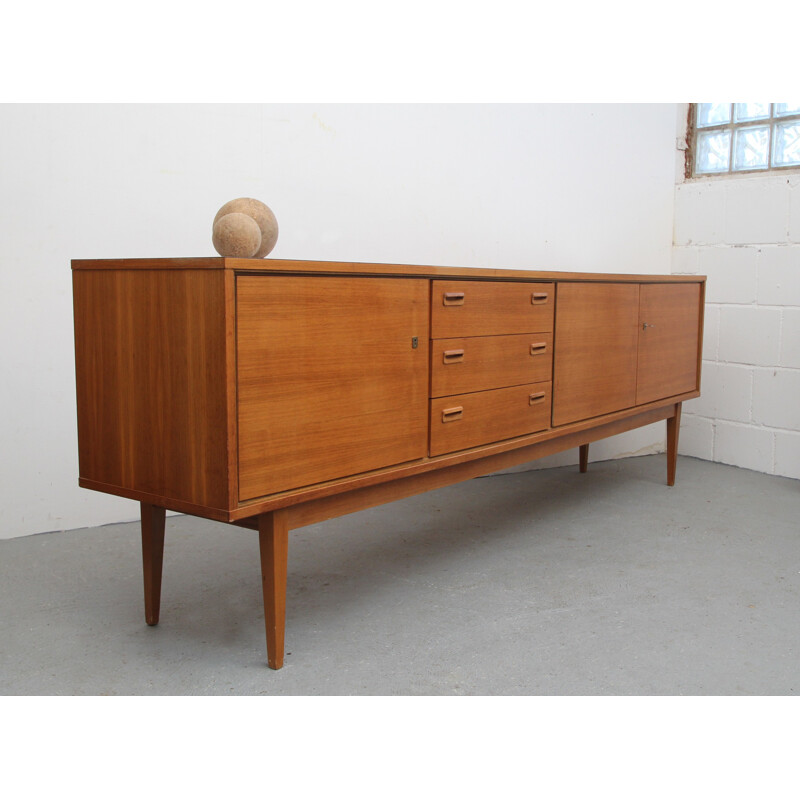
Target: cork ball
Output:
{"points": [[261, 214], [236, 235]]}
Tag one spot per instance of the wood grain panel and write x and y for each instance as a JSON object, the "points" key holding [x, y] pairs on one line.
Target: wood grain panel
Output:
{"points": [[490, 308], [330, 383], [478, 363], [488, 416], [668, 346], [150, 378], [596, 335]]}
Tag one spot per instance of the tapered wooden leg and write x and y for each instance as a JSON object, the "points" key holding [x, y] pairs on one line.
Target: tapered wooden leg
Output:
{"points": [[152, 559], [273, 538], [673, 429], [584, 457]]}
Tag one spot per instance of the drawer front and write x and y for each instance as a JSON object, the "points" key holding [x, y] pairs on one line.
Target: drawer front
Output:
{"points": [[484, 308], [475, 364], [469, 420]]}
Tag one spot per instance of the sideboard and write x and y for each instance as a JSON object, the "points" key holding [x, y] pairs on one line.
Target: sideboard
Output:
{"points": [[274, 394]]}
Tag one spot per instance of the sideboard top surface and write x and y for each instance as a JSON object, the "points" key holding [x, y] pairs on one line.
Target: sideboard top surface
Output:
{"points": [[270, 265]]}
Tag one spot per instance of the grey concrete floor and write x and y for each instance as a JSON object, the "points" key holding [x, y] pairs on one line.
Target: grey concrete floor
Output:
{"points": [[540, 583]]}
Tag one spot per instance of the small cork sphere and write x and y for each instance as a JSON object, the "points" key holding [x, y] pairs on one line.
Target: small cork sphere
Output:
{"points": [[236, 234]]}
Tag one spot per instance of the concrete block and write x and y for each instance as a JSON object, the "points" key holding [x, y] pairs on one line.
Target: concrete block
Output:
{"points": [[794, 209], [750, 335], [699, 213], [710, 332], [756, 210], [696, 437], [726, 393], [776, 398], [685, 261], [779, 276], [787, 454], [732, 274], [744, 446], [790, 339]]}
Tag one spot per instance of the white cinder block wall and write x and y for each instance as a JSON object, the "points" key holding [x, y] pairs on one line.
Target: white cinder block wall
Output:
{"points": [[744, 233]]}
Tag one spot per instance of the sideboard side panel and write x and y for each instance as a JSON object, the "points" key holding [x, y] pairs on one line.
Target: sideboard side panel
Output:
{"points": [[150, 379]]}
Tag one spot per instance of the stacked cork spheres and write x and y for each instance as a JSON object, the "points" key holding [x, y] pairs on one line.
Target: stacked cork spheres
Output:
{"points": [[244, 228]]}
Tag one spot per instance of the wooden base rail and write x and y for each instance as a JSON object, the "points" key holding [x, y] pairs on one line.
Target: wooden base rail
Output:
{"points": [[273, 526]]}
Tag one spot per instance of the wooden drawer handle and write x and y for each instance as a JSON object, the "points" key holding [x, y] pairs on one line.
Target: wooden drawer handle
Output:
{"points": [[537, 298], [453, 298], [452, 414], [538, 348], [536, 397], [453, 356]]}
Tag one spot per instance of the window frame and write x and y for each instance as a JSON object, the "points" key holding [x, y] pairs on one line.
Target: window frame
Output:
{"points": [[692, 131]]}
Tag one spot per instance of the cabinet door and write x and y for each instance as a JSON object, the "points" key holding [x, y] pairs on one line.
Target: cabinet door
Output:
{"points": [[669, 338], [332, 377], [594, 361]]}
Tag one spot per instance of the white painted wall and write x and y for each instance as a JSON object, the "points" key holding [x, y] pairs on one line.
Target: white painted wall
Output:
{"points": [[744, 233], [575, 187]]}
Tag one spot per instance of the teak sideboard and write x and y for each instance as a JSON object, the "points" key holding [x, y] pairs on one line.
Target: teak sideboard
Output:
{"points": [[274, 394]]}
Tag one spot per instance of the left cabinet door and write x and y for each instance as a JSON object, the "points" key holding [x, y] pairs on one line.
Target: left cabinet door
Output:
{"points": [[332, 377]]}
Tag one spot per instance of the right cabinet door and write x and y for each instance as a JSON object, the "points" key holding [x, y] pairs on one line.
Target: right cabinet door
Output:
{"points": [[669, 339]]}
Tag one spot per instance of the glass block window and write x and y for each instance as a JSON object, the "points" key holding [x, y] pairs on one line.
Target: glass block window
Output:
{"points": [[744, 137]]}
